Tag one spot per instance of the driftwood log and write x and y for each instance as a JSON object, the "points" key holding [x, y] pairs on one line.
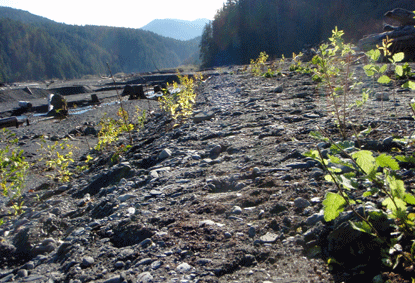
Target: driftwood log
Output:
{"points": [[402, 31]]}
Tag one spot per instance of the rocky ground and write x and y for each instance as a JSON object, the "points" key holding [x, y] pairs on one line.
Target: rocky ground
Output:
{"points": [[226, 197]]}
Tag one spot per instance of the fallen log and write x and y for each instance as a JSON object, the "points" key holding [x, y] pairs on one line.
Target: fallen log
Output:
{"points": [[402, 16], [15, 121], [403, 36]]}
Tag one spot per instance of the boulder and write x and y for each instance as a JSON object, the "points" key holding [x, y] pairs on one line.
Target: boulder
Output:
{"points": [[134, 92], [57, 105]]}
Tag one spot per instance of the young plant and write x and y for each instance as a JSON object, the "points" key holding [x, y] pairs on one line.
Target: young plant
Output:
{"points": [[109, 132], [179, 103], [57, 158], [333, 70], [13, 169], [378, 175], [141, 118], [259, 64]]}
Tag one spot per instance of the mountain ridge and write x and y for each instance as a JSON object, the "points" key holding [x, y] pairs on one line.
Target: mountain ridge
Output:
{"points": [[177, 29], [36, 48]]}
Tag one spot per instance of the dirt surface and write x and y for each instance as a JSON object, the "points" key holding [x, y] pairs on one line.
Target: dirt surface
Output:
{"points": [[226, 197]]}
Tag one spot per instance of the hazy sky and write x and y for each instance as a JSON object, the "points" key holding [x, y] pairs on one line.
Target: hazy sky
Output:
{"points": [[119, 13]]}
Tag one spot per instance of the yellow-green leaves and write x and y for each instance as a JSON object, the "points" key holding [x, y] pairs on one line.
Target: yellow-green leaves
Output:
{"points": [[333, 205], [365, 160], [179, 103], [257, 65]]}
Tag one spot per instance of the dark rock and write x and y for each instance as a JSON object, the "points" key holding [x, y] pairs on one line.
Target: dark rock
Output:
{"points": [[103, 180], [128, 234]]}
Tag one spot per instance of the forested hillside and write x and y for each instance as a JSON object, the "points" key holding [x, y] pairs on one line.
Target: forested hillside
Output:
{"points": [[35, 48], [244, 28]]}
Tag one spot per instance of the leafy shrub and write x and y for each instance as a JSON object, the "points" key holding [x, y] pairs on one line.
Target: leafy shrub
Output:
{"points": [[258, 65], [57, 158], [13, 168], [179, 103]]}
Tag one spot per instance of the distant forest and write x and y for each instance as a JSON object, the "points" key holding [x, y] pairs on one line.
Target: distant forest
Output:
{"points": [[244, 28], [35, 48]]}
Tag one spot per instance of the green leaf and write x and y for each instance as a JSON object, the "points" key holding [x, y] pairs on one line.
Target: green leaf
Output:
{"points": [[397, 186], [409, 84], [346, 183], [366, 161], [409, 198], [333, 205], [367, 194], [398, 57], [399, 71], [362, 227], [374, 54], [383, 69], [400, 205], [384, 79], [388, 161]]}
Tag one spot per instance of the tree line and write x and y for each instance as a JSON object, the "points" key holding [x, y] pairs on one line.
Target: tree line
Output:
{"points": [[241, 29], [39, 49]]}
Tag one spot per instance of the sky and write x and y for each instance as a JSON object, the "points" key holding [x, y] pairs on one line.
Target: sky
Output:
{"points": [[118, 13]]}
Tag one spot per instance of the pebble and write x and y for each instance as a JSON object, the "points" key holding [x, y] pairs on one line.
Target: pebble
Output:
{"points": [[119, 264], [315, 218], [156, 264], [236, 210], [146, 243], [227, 235], [269, 238], [251, 232], [87, 261], [301, 203], [164, 154], [184, 268], [144, 261], [144, 277], [22, 273], [215, 151], [115, 279]]}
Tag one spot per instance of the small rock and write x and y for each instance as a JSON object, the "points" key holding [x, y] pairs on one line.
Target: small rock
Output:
{"points": [[301, 203], [30, 265], [144, 261], [119, 264], [115, 279], [147, 242], [156, 265], [315, 218], [256, 171], [153, 174], [144, 277], [87, 261], [125, 197], [203, 261], [249, 260], [251, 232], [22, 273], [298, 165], [203, 116], [236, 210], [227, 235], [269, 238], [184, 268], [166, 153], [215, 151], [278, 89], [382, 96]]}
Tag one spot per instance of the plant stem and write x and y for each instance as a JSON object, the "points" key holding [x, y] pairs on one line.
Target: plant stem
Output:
{"points": [[121, 105]]}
